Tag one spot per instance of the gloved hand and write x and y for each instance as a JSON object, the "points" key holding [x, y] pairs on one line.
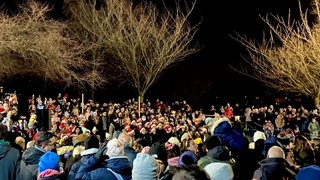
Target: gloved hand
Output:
{"points": [[101, 150]]}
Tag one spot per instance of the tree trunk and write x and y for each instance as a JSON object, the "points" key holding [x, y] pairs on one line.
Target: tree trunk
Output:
{"points": [[140, 101]]}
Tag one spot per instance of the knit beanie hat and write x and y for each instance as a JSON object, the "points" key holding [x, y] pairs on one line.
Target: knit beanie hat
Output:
{"points": [[187, 158], [49, 160], [115, 148], [144, 167], [91, 142], [310, 172], [174, 140], [259, 135], [158, 151], [219, 171], [212, 141]]}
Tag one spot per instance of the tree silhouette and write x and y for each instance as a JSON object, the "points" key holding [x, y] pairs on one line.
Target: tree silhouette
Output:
{"points": [[288, 60], [32, 44], [140, 40]]}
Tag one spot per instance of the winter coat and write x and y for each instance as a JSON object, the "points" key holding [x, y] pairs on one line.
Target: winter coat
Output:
{"points": [[230, 137], [275, 169], [29, 163], [120, 165], [90, 169], [85, 156], [9, 161]]}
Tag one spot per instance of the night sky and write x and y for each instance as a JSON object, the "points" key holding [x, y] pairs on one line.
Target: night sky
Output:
{"points": [[210, 67], [221, 19]]}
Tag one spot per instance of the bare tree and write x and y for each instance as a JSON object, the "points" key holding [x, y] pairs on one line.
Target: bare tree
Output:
{"points": [[141, 40], [289, 60], [33, 44]]}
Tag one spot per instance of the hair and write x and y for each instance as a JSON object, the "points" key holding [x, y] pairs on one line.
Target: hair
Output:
{"points": [[302, 143], [78, 127], [44, 138], [191, 172], [185, 143], [20, 141], [174, 152], [137, 147], [125, 139], [276, 152], [3, 131]]}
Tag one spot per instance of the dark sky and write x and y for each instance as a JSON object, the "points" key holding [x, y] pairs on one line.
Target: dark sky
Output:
{"points": [[220, 20], [210, 67]]}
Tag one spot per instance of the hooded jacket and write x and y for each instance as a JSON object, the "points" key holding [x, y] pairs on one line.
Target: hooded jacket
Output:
{"points": [[29, 163], [9, 161], [275, 169], [85, 155]]}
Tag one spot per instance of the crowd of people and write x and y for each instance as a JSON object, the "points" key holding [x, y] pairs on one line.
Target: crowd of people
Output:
{"points": [[67, 138]]}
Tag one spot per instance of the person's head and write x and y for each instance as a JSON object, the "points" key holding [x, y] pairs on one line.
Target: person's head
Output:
{"points": [[49, 160], [115, 148], [3, 131], [125, 139], [219, 171], [259, 135], [145, 167], [21, 142], [158, 151], [78, 130], [192, 172], [187, 158], [212, 141], [191, 146], [91, 142], [46, 140], [276, 152], [302, 143]]}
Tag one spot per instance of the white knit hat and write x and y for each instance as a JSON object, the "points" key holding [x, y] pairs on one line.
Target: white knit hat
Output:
{"points": [[115, 148], [144, 167], [174, 140], [219, 171], [259, 135]]}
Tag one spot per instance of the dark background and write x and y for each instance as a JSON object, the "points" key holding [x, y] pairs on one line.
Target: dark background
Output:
{"points": [[204, 77]]}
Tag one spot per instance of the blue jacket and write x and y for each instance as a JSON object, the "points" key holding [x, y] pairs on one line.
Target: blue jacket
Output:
{"points": [[131, 154], [120, 165], [230, 137], [85, 156], [88, 170]]}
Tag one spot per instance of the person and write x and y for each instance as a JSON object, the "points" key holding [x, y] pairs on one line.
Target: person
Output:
{"points": [[274, 166], [219, 171], [46, 141], [158, 151], [145, 167], [192, 172], [216, 152], [97, 167], [91, 146], [9, 156], [127, 142], [48, 166]]}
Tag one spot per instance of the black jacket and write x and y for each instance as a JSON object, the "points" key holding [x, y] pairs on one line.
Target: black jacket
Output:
{"points": [[275, 169]]}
